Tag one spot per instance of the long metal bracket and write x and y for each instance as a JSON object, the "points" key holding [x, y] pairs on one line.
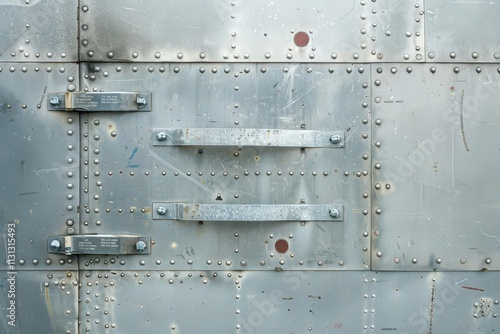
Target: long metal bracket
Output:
{"points": [[248, 212], [99, 244], [99, 101], [247, 137]]}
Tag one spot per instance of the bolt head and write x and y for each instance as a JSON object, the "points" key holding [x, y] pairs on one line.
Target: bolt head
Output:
{"points": [[55, 244], [161, 210], [334, 213], [140, 246], [335, 139], [161, 136]]}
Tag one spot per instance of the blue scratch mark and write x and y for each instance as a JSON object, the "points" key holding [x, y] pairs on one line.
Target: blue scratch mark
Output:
{"points": [[131, 157]]}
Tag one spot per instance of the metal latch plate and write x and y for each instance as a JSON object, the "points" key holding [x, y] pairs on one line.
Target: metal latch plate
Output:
{"points": [[99, 244], [99, 101], [248, 212]]}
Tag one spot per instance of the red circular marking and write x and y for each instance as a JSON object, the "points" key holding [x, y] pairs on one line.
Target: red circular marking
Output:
{"points": [[301, 39], [281, 246]]}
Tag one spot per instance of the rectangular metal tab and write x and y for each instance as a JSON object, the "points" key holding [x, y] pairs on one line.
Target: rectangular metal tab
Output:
{"points": [[99, 244], [248, 212], [99, 101], [247, 137]]}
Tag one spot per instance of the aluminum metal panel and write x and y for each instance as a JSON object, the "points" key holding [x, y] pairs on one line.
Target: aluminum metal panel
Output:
{"points": [[435, 196], [39, 31], [127, 173], [288, 302], [462, 31], [252, 31], [40, 163], [39, 302]]}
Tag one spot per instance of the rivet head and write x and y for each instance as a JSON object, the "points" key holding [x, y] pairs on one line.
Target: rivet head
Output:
{"points": [[414, 260], [379, 254], [462, 260], [487, 261]]}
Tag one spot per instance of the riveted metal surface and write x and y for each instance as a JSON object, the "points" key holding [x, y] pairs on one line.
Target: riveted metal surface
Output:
{"points": [[252, 31], [38, 31], [289, 301], [128, 173], [475, 39], [39, 301], [39, 165], [435, 189]]}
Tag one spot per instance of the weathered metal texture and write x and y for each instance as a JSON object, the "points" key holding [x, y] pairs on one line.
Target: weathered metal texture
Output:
{"points": [[462, 31], [39, 301], [39, 31], [434, 187], [39, 165], [127, 173], [252, 31], [289, 302]]}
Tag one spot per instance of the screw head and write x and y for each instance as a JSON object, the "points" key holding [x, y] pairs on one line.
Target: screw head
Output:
{"points": [[141, 101], [161, 210], [334, 213], [161, 136], [140, 246], [54, 101], [55, 244], [335, 139]]}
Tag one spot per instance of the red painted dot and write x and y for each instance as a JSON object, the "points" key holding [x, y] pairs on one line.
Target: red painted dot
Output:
{"points": [[301, 39], [281, 246]]}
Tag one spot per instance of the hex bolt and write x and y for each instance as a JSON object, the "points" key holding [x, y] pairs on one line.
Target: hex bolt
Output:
{"points": [[55, 245], [161, 210], [335, 139], [334, 213], [140, 246], [161, 136], [141, 102], [54, 101]]}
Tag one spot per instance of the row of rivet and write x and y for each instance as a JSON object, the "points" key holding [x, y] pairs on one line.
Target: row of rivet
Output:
{"points": [[37, 55], [215, 70], [209, 262], [438, 260]]}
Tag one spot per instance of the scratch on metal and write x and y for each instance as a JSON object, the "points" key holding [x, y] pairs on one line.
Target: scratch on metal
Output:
{"points": [[462, 120]]}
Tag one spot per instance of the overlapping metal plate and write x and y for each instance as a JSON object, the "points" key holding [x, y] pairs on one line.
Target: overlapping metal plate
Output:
{"points": [[252, 31], [40, 164], [435, 161], [129, 175], [289, 302], [38, 31]]}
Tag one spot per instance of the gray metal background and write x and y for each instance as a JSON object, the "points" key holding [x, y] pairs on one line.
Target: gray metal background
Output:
{"points": [[406, 82]]}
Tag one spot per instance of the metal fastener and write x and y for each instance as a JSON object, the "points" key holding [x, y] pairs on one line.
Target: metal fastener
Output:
{"points": [[161, 210], [141, 102], [335, 139], [140, 246], [54, 101], [161, 136], [55, 244], [334, 213]]}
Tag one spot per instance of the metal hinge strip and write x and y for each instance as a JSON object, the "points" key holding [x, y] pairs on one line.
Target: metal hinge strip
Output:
{"points": [[247, 137], [248, 212]]}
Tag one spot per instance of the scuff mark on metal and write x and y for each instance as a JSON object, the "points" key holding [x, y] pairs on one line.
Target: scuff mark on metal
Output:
{"points": [[462, 120], [317, 297], [471, 288], [431, 308]]}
